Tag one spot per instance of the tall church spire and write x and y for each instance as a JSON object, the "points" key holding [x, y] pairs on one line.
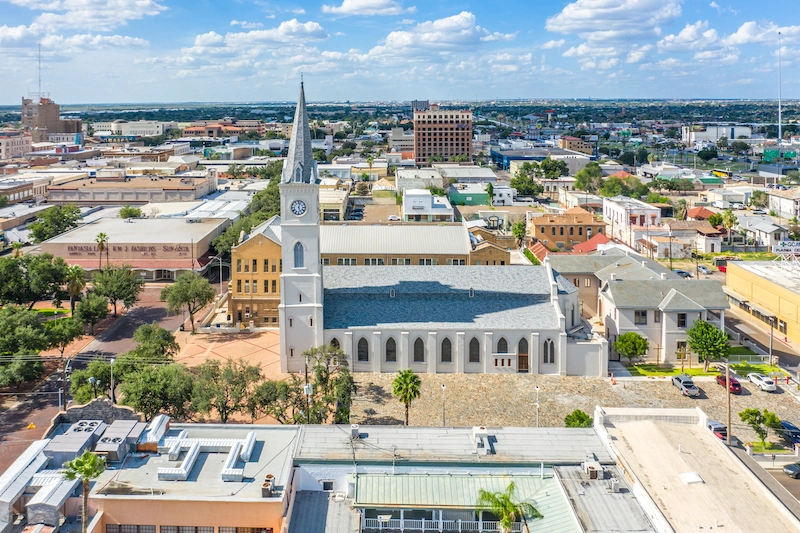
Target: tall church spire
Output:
{"points": [[300, 166]]}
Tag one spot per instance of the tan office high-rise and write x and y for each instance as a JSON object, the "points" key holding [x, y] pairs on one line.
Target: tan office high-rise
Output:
{"points": [[443, 133]]}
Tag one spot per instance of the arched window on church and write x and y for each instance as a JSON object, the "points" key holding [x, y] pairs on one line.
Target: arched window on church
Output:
{"points": [[299, 260], [502, 345], [549, 352], [335, 343], [391, 351], [522, 347], [447, 351], [298, 174], [363, 350], [419, 351], [474, 351]]}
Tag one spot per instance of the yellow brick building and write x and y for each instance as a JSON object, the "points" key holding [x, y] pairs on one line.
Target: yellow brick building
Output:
{"points": [[768, 293], [255, 276]]}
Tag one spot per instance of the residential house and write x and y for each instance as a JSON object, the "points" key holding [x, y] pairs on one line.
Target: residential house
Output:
{"points": [[700, 234], [625, 215], [660, 309], [564, 230], [785, 203], [761, 230], [699, 213]]}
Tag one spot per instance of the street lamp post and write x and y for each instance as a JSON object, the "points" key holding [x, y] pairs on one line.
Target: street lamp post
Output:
{"points": [[771, 330], [93, 383], [112, 381], [670, 250], [443, 406], [307, 391], [537, 406]]}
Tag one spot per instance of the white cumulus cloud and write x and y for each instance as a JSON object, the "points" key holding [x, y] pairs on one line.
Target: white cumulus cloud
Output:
{"points": [[368, 7], [752, 32], [695, 36], [247, 25], [549, 45], [620, 20]]}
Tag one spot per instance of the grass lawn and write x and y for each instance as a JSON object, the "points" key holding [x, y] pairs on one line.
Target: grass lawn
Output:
{"points": [[52, 312], [668, 370], [741, 350], [769, 447], [762, 368]]}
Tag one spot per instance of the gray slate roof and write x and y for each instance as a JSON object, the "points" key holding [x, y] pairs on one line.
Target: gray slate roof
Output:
{"points": [[437, 297], [564, 286], [630, 269], [300, 166], [692, 295], [270, 229]]}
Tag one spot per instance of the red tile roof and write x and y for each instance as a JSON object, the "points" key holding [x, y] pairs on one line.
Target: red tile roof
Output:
{"points": [[592, 244], [699, 213]]}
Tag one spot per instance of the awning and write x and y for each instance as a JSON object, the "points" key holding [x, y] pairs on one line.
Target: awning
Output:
{"points": [[760, 310], [733, 294]]}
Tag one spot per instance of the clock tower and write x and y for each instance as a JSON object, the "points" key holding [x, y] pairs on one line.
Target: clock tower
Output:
{"points": [[300, 310]]}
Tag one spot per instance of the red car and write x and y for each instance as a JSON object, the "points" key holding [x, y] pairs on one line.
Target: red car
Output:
{"points": [[723, 268], [736, 387]]}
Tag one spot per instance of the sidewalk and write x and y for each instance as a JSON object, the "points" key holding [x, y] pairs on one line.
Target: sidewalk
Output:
{"points": [[738, 322]]}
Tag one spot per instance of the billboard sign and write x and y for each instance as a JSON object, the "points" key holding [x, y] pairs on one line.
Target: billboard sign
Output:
{"points": [[787, 247]]}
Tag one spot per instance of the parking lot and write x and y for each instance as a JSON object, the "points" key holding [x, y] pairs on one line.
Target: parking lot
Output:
{"points": [[375, 213], [510, 399]]}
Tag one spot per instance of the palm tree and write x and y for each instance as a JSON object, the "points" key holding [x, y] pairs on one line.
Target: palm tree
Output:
{"points": [[681, 209], [102, 241], [17, 249], [729, 220], [370, 160], [86, 468], [76, 282], [507, 508], [406, 388]]}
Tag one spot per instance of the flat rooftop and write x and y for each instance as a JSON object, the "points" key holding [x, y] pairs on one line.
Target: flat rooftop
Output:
{"points": [[597, 508], [21, 210], [450, 445], [772, 272], [138, 475], [139, 230], [133, 182], [729, 496]]}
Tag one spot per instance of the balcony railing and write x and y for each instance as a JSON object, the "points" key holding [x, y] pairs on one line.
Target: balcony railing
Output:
{"points": [[397, 524]]}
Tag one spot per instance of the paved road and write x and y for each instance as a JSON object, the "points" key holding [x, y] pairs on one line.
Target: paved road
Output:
{"points": [[792, 485], [39, 408], [760, 335]]}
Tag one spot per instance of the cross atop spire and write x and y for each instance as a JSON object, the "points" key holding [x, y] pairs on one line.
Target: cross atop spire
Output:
{"points": [[300, 166]]}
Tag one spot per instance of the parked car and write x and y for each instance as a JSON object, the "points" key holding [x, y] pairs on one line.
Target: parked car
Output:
{"points": [[686, 385], [736, 387], [763, 382], [789, 432], [394, 218], [792, 470], [683, 273], [723, 268], [718, 429], [759, 212], [704, 269], [737, 205]]}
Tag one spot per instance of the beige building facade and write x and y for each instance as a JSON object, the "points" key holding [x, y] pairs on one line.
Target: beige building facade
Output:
{"points": [[131, 190], [443, 133]]}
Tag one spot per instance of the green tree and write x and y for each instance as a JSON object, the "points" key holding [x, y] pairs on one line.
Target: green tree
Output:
{"points": [[729, 220], [102, 242], [684, 185], [707, 154], [224, 388], [32, 278], [156, 389], [760, 422], [739, 147], [333, 385], [523, 180], [681, 208], [235, 171], [362, 189], [63, 332], [642, 155], [118, 284], [627, 158], [76, 282], [54, 221], [87, 467], [759, 199], [223, 243], [192, 291], [631, 345], [654, 198], [490, 192], [708, 342], [17, 249], [507, 508], [715, 220], [22, 334], [519, 231], [283, 400], [406, 388], [94, 380], [589, 178], [3, 200], [613, 187], [130, 212], [578, 419], [553, 168], [92, 309], [722, 142]]}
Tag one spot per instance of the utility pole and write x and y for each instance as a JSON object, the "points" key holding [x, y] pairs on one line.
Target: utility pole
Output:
{"points": [[780, 131], [670, 250], [307, 392], [728, 386]]}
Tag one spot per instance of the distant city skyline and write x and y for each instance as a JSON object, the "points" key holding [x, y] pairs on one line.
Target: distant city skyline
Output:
{"points": [[130, 51]]}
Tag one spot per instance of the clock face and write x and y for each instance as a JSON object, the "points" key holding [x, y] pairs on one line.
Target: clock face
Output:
{"points": [[298, 207]]}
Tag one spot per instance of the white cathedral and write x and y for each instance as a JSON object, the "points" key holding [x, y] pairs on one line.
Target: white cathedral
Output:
{"points": [[490, 319]]}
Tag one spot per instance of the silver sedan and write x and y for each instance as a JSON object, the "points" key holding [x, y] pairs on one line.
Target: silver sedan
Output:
{"points": [[762, 382]]}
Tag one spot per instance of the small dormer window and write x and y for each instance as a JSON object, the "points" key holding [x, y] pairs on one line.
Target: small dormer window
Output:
{"points": [[391, 293], [471, 293]]}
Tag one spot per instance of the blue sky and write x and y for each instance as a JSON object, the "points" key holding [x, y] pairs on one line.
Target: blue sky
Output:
{"points": [[254, 50]]}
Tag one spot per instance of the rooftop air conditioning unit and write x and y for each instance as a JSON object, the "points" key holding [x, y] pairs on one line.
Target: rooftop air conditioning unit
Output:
{"points": [[355, 431], [613, 484]]}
